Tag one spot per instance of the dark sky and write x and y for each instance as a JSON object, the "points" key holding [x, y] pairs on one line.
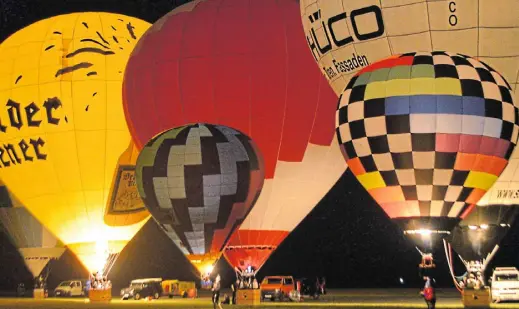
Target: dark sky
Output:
{"points": [[347, 237]]}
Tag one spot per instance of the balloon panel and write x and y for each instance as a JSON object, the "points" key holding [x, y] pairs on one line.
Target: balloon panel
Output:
{"points": [[345, 36], [34, 242], [60, 81], [261, 84], [506, 189], [427, 134], [200, 181], [252, 248]]}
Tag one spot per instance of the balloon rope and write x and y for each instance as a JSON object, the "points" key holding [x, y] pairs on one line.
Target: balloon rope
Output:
{"points": [[490, 256], [110, 263], [449, 263]]}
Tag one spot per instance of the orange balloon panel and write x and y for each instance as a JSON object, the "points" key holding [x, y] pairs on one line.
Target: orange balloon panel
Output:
{"points": [[63, 127]]}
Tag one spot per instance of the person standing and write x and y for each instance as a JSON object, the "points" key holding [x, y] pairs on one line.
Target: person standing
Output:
{"points": [[428, 293], [234, 288], [216, 292]]}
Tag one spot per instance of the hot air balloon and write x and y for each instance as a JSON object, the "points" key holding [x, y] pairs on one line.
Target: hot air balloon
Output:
{"points": [[427, 134], [66, 147], [346, 36], [34, 242], [240, 64], [199, 182], [476, 239]]}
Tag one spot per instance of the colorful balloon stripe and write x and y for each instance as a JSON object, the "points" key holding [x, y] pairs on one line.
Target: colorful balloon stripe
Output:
{"points": [[427, 134]]}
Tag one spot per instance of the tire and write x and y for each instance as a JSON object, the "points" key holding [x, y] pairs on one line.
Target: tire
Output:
{"points": [[82, 293], [170, 296], [137, 296], [156, 295], [184, 294]]}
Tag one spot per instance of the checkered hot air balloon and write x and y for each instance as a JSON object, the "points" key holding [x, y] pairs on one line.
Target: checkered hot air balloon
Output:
{"points": [[199, 182], [427, 134]]}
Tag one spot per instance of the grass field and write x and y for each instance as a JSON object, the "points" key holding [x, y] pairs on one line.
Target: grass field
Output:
{"points": [[397, 298]]}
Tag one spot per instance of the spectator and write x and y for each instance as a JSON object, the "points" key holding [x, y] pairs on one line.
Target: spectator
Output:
{"points": [[216, 292], [428, 293]]}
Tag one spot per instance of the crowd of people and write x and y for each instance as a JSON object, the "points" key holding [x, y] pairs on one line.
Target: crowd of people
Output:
{"points": [[98, 282]]}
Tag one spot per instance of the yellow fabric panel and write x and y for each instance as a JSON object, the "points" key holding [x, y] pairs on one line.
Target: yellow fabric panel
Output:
{"points": [[375, 90], [480, 180], [371, 180], [46, 62], [447, 86], [398, 87], [421, 86]]}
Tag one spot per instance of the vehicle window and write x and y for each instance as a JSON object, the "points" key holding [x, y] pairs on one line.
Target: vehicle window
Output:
{"points": [[136, 285], [65, 283], [272, 281], [507, 277], [288, 281]]}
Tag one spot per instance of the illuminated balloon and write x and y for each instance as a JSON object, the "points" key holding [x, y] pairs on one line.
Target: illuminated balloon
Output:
{"points": [[345, 36], [64, 138], [240, 64], [35, 243], [199, 182], [427, 134]]}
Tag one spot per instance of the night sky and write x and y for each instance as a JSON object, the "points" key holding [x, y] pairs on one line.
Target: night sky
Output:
{"points": [[347, 237]]}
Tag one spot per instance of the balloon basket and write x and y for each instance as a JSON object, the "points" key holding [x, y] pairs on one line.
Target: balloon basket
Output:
{"points": [[40, 293], [248, 297], [476, 298], [98, 296]]}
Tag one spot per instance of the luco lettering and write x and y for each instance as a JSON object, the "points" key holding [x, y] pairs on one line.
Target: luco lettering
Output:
{"points": [[339, 39]]}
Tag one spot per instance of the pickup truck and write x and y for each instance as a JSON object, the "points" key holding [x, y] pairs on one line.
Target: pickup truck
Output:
{"points": [[276, 287], [71, 288]]}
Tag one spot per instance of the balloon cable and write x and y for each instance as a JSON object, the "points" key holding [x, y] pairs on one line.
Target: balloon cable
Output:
{"points": [[448, 255]]}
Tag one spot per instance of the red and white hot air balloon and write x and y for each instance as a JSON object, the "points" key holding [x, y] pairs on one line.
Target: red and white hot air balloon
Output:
{"points": [[244, 65]]}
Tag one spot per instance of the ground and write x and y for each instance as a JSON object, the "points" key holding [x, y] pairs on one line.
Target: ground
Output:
{"points": [[391, 298]]}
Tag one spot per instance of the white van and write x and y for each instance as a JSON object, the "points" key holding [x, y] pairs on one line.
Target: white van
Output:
{"points": [[505, 284]]}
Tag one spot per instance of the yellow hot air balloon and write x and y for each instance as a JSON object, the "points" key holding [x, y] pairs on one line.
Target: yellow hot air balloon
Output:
{"points": [[65, 149]]}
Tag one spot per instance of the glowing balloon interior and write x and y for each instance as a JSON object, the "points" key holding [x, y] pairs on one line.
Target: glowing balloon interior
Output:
{"points": [[249, 72], [427, 134], [199, 182], [63, 126], [35, 243]]}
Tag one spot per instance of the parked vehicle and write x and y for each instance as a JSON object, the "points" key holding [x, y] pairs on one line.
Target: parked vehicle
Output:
{"points": [[505, 284], [307, 287], [276, 287], [71, 288], [172, 288], [140, 288]]}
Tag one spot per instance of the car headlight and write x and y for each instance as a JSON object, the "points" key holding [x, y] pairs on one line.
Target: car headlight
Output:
{"points": [[122, 292], [276, 291]]}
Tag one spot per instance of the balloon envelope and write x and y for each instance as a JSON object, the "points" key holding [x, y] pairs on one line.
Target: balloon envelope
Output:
{"points": [[242, 64], [427, 134], [199, 182], [345, 36], [63, 127], [35, 243]]}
